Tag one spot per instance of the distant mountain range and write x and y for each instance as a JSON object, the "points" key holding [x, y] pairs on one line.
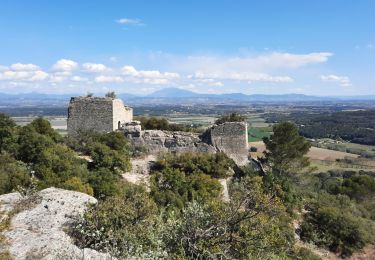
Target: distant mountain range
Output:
{"points": [[173, 96]]}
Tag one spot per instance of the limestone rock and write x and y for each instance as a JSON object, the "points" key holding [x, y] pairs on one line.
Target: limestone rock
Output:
{"points": [[37, 230]]}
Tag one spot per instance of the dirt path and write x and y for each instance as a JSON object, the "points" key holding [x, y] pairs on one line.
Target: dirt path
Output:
{"points": [[139, 173]]}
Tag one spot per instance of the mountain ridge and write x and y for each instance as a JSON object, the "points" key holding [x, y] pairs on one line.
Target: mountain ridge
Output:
{"points": [[176, 95]]}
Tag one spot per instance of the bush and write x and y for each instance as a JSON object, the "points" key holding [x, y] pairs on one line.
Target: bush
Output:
{"points": [[7, 129], [154, 123], [251, 225], [12, 174], [104, 182], [123, 226], [174, 188], [335, 223], [76, 184], [217, 165], [233, 117], [104, 157]]}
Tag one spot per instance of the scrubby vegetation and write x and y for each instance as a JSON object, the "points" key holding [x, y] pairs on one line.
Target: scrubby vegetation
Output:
{"points": [[184, 215], [232, 117], [177, 180], [36, 150]]}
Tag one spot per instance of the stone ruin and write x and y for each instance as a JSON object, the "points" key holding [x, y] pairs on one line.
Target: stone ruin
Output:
{"points": [[108, 114], [98, 114], [230, 138]]}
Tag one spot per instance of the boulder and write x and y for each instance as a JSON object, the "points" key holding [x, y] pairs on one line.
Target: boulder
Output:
{"points": [[37, 225]]}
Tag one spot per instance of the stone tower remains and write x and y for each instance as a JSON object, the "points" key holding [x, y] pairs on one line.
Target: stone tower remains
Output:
{"points": [[98, 114]]}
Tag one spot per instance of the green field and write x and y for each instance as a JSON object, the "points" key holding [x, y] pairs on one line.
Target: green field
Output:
{"points": [[339, 145], [257, 133], [258, 128], [192, 119]]}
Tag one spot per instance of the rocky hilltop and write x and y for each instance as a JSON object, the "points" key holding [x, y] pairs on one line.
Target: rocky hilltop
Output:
{"points": [[37, 224]]}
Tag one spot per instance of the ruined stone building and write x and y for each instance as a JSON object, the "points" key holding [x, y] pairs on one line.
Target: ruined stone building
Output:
{"points": [[230, 138], [108, 114], [101, 114]]}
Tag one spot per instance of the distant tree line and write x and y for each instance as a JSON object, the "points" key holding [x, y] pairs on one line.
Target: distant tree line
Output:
{"points": [[354, 126]]}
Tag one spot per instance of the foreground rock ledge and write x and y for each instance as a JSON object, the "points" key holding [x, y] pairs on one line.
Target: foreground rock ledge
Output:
{"points": [[37, 231]]}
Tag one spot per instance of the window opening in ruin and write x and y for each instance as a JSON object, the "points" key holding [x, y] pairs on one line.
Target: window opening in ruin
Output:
{"points": [[118, 125]]}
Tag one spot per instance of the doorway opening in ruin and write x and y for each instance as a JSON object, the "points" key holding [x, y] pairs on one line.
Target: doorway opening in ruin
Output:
{"points": [[118, 125]]}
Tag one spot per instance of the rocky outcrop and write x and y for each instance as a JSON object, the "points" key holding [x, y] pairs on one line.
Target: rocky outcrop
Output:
{"points": [[37, 225]]}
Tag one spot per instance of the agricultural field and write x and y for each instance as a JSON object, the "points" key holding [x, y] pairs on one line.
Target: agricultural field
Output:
{"points": [[258, 128], [57, 123], [325, 159], [186, 119], [343, 146]]}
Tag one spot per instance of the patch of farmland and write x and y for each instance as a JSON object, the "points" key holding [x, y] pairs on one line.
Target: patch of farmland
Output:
{"points": [[58, 123], [314, 153]]}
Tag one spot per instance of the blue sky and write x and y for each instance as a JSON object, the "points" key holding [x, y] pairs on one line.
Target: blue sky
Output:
{"points": [[273, 47]]}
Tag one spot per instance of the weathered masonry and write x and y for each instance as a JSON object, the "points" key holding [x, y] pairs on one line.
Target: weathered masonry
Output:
{"points": [[110, 114], [98, 114], [230, 138]]}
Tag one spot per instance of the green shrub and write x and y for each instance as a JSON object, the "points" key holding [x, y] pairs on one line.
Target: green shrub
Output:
{"points": [[233, 117], [104, 157], [174, 188], [217, 165], [13, 174], [337, 224], [123, 226]]}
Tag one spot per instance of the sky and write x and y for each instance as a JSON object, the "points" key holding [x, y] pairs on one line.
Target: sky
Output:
{"points": [[320, 47]]}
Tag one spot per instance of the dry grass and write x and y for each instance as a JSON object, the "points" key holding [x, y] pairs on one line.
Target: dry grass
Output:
{"points": [[4, 225], [5, 255]]}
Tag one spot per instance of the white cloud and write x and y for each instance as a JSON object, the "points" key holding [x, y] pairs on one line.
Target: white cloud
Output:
{"points": [[128, 21], [276, 60], [24, 67], [249, 68], [149, 76], [342, 80], [56, 78], [289, 60], [206, 81], [78, 79], [243, 76], [65, 65], [23, 75], [107, 79], [94, 67], [39, 75]]}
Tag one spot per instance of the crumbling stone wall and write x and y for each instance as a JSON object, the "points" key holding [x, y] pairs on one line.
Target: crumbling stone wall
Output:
{"points": [[230, 138], [121, 113], [158, 141], [98, 114]]}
